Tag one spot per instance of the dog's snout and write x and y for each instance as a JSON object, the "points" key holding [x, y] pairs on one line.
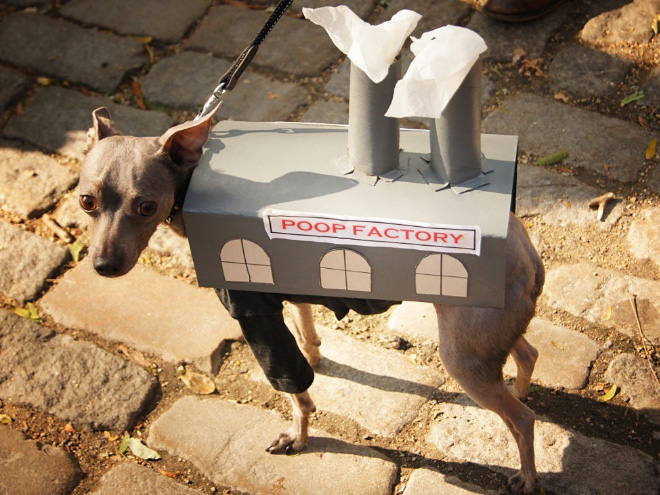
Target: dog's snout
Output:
{"points": [[107, 267]]}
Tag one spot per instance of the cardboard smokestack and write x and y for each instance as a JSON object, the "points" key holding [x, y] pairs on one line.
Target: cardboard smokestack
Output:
{"points": [[373, 139], [456, 135]]}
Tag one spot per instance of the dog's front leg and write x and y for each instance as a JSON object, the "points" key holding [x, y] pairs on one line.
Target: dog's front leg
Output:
{"points": [[296, 439], [305, 332]]}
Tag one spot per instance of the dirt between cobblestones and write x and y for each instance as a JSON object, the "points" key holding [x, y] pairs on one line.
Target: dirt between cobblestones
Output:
{"points": [[97, 452]]}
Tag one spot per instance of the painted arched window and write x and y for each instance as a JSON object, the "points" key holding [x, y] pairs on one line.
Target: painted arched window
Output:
{"points": [[245, 261], [344, 269], [441, 275]]}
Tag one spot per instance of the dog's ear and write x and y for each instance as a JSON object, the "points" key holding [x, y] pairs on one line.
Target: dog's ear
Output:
{"points": [[102, 128], [185, 142]]}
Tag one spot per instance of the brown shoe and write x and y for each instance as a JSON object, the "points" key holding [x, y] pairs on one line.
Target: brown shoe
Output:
{"points": [[518, 10]]}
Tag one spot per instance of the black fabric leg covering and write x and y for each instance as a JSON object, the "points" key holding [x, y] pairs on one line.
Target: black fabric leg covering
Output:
{"points": [[277, 352]]}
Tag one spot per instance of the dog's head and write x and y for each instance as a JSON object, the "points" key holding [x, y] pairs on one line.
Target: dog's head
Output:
{"points": [[128, 185]]}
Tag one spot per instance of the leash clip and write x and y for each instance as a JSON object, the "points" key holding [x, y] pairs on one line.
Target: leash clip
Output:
{"points": [[215, 97]]}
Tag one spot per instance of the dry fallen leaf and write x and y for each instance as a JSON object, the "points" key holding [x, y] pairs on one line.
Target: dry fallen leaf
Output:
{"points": [[5, 419], [561, 96], [518, 55], [650, 149], [169, 474], [609, 395], [560, 347], [643, 122], [142, 451], [69, 428], [608, 313], [110, 436], [198, 383], [139, 97]]}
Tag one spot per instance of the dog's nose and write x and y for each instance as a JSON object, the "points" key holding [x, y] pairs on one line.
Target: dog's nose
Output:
{"points": [[107, 267]]}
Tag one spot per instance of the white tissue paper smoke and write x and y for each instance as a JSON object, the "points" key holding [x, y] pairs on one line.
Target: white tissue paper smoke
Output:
{"points": [[371, 48], [443, 57]]}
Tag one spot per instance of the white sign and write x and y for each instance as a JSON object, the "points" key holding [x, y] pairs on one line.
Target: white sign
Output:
{"points": [[373, 232]]}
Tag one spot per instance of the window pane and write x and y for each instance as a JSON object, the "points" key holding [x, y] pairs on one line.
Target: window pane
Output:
{"points": [[254, 254], [358, 281], [260, 274], [235, 272], [427, 284], [334, 259], [452, 267], [356, 263], [232, 251], [430, 265], [333, 279], [454, 286]]}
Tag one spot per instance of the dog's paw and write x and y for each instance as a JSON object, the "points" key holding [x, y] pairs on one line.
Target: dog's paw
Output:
{"points": [[519, 484], [286, 444]]}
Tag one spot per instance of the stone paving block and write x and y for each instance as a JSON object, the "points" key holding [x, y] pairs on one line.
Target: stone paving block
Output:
{"points": [[66, 51], [567, 461], [57, 119], [70, 214], [255, 97], [12, 84], [31, 182], [145, 310], [587, 72], [355, 379], [629, 24], [32, 468], [227, 443], [633, 375], [27, 3], [294, 45], [565, 356], [363, 8], [587, 291], [133, 478], [546, 126], [26, 261], [654, 180], [326, 112], [339, 82], [166, 242], [414, 319], [561, 200], [644, 235], [164, 20], [75, 381], [503, 38], [424, 481], [651, 87], [435, 13]]}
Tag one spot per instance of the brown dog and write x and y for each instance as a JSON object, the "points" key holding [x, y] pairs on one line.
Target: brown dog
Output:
{"points": [[130, 185]]}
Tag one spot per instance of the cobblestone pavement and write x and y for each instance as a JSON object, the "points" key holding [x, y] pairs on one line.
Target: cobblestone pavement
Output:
{"points": [[89, 359]]}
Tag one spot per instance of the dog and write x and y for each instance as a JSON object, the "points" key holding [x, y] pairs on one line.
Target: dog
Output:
{"points": [[130, 185]]}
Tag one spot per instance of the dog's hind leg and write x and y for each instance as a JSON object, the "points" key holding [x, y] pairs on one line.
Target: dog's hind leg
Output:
{"points": [[296, 439], [494, 395], [305, 332], [525, 356]]}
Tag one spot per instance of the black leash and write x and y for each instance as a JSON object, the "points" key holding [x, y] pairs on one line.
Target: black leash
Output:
{"points": [[230, 78]]}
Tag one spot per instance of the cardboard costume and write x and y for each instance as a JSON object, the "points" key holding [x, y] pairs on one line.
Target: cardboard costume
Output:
{"points": [[354, 216]]}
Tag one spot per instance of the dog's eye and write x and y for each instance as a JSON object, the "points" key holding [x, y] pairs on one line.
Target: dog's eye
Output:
{"points": [[147, 208], [88, 203]]}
